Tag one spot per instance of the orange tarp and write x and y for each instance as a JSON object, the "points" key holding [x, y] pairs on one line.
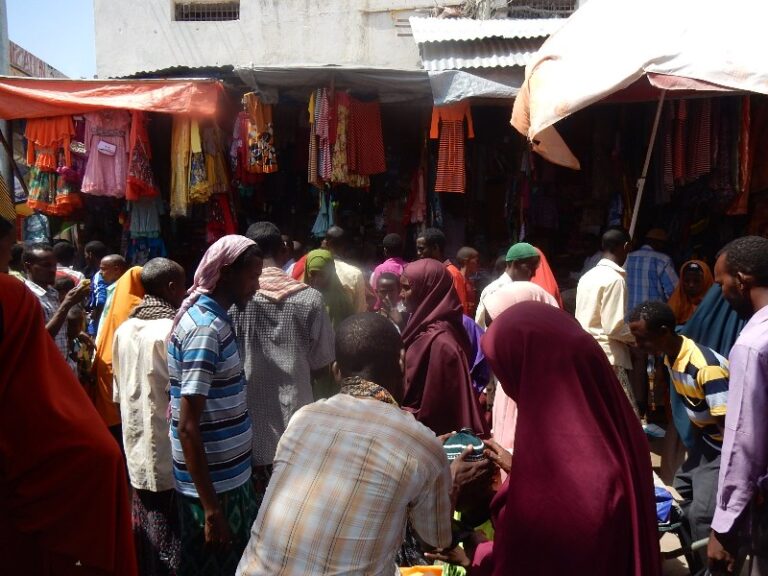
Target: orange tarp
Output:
{"points": [[36, 97]]}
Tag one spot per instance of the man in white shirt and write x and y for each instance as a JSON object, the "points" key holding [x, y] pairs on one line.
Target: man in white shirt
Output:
{"points": [[601, 306], [350, 276], [522, 261], [140, 368]]}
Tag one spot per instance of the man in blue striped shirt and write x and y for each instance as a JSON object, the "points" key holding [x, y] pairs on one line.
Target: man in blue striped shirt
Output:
{"points": [[210, 425]]}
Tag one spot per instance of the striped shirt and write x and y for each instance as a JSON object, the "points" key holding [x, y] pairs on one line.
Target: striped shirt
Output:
{"points": [[203, 359], [348, 472], [650, 276], [700, 375]]}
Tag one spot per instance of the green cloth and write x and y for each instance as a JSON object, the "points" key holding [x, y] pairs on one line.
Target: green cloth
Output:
{"points": [[521, 251], [337, 301], [240, 509]]}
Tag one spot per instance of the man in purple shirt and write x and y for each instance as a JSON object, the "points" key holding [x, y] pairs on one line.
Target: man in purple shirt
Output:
{"points": [[742, 272]]}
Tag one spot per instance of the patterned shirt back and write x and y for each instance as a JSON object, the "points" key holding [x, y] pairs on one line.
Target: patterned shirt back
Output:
{"points": [[650, 276], [700, 375], [203, 359], [49, 300], [348, 472]]}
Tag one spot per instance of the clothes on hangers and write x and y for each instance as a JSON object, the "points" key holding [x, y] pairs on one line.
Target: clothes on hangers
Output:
{"points": [[448, 125], [141, 179], [106, 140]]}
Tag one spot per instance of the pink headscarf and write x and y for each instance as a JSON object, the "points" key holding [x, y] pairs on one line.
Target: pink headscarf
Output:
{"points": [[504, 408], [221, 253], [514, 293]]}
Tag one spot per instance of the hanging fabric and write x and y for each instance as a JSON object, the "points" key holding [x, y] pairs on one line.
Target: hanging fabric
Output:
{"points": [[106, 139], [366, 142], [45, 136], [199, 187], [141, 179], [262, 153], [180, 155], [215, 163], [448, 124]]}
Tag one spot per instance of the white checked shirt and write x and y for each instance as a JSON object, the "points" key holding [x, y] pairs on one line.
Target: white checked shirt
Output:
{"points": [[49, 300], [348, 472]]}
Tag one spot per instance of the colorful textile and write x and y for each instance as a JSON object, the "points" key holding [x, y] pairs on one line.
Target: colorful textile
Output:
{"points": [[478, 369], [239, 509], [204, 360], [700, 375], [180, 156], [156, 532], [199, 186], [581, 426], [682, 305], [650, 276], [140, 389], [106, 139], [262, 153], [45, 138], [128, 292], [392, 265], [141, 179], [362, 481], [285, 334], [361, 388], [545, 278], [221, 253], [460, 285], [745, 442], [365, 151], [448, 123], [438, 385], [47, 424], [601, 306]]}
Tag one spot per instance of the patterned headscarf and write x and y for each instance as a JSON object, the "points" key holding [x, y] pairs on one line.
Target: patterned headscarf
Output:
{"points": [[221, 253]]}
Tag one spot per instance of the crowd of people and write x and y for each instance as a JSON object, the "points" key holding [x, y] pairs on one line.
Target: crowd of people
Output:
{"points": [[295, 414]]}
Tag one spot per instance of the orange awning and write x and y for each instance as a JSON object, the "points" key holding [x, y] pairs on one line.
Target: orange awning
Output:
{"points": [[37, 97]]}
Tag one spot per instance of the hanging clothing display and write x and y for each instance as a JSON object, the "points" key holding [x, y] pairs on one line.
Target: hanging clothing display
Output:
{"points": [[448, 124], [221, 220], [215, 163], [141, 179], [324, 218], [262, 153], [199, 187], [180, 152], [106, 139], [366, 143], [45, 138]]}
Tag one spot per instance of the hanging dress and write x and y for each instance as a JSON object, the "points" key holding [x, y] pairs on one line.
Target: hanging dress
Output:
{"points": [[199, 186], [448, 123], [141, 179], [262, 154], [366, 142], [106, 139]]}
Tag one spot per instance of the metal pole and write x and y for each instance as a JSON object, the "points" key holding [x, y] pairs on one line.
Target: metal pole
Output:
{"points": [[649, 152], [5, 157]]}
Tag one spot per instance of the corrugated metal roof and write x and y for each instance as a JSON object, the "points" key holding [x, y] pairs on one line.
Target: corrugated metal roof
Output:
{"points": [[488, 53], [426, 30]]}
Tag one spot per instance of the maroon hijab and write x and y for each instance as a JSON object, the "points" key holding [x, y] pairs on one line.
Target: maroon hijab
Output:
{"points": [[438, 386], [580, 498]]}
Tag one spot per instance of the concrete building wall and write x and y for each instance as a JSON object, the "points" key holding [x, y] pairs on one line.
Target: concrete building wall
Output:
{"points": [[141, 35]]}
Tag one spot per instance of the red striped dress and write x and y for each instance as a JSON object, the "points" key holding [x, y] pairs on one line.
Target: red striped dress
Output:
{"points": [[448, 123]]}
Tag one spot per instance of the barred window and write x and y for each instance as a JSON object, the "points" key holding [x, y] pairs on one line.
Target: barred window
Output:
{"points": [[207, 11], [539, 8]]}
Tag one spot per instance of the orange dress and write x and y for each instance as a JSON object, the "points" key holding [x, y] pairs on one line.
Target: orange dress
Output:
{"points": [[44, 137], [448, 124]]}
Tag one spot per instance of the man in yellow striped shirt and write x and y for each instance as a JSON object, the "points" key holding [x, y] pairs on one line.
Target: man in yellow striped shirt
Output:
{"points": [[700, 376]]}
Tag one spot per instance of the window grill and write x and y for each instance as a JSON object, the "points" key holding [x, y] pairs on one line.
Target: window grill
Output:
{"points": [[207, 11]]}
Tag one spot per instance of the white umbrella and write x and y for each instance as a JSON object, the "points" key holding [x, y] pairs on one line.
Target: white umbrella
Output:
{"points": [[611, 45]]}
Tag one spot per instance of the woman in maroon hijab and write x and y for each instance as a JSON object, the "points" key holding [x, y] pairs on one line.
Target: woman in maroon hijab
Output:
{"points": [[438, 387], [579, 497]]}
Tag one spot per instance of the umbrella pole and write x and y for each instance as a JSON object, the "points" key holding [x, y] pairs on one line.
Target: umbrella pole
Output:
{"points": [[649, 152]]}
